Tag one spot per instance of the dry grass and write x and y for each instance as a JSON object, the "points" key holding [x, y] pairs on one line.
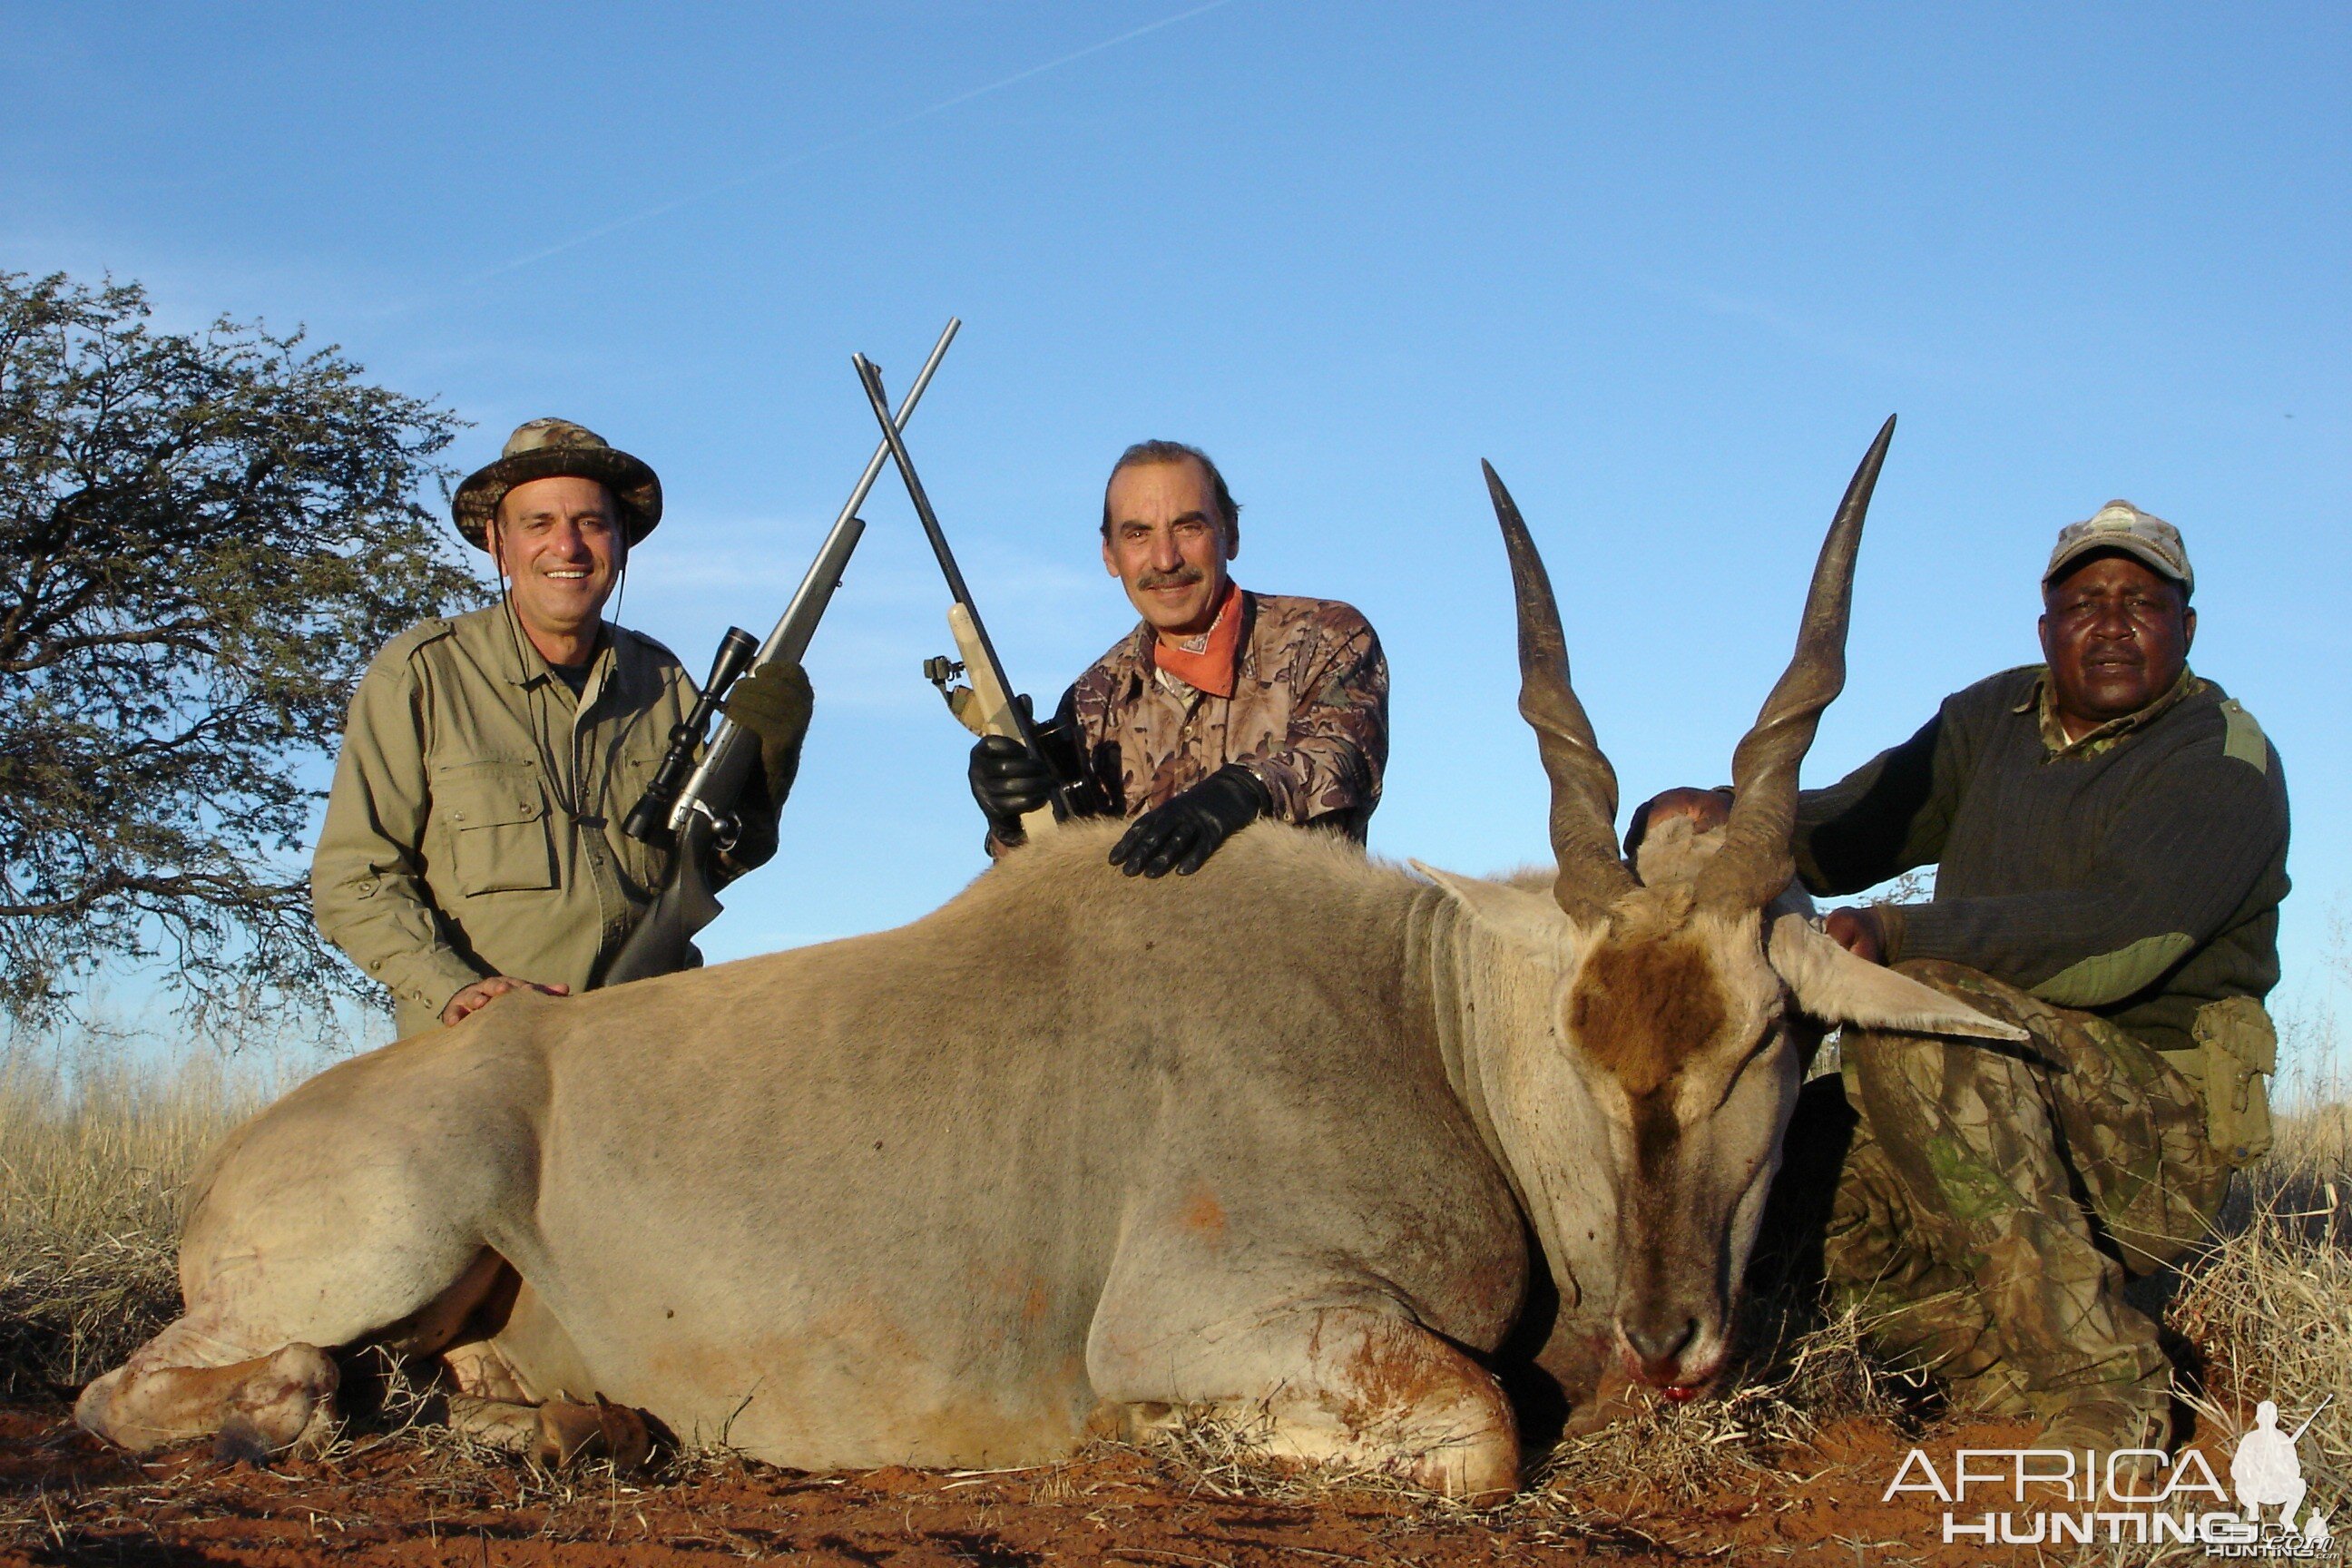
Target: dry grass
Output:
{"points": [[1625, 1491], [1794, 1375], [95, 1148], [2269, 1304]]}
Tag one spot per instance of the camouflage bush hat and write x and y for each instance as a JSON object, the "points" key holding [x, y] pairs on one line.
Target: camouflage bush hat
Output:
{"points": [[543, 449], [2119, 525]]}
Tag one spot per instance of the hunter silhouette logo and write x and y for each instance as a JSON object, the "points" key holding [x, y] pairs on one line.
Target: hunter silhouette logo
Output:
{"points": [[2138, 1496], [2266, 1472]]}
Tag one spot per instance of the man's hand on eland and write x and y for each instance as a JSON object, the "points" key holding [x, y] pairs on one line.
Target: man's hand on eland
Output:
{"points": [[1857, 929], [1706, 808], [482, 992]]}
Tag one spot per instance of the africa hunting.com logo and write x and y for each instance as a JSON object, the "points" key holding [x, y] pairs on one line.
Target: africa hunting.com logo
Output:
{"points": [[2127, 1497]]}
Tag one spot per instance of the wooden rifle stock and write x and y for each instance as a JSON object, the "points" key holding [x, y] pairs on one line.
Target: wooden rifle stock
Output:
{"points": [[991, 697]]}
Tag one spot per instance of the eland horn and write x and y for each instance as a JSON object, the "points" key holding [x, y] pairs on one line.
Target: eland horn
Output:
{"points": [[1583, 784], [1757, 858]]}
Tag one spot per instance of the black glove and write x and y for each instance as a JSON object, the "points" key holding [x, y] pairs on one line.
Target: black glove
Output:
{"points": [[773, 701], [1009, 783], [1181, 835]]}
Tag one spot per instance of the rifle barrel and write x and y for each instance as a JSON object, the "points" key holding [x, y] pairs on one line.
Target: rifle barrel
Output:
{"points": [[870, 375], [871, 378], [817, 581], [719, 773]]}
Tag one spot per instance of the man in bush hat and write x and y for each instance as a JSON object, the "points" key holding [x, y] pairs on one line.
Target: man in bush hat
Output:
{"points": [[472, 843], [2110, 836]]}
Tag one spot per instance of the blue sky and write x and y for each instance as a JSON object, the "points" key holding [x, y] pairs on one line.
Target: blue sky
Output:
{"points": [[1667, 266]]}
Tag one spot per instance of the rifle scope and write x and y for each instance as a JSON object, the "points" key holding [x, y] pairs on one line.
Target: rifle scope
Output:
{"points": [[648, 820]]}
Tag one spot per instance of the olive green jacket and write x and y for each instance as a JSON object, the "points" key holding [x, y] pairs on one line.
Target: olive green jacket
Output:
{"points": [[473, 824]]}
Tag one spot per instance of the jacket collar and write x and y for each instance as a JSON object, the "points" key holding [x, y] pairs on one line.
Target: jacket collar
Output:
{"points": [[1136, 667], [504, 647], [2043, 704]]}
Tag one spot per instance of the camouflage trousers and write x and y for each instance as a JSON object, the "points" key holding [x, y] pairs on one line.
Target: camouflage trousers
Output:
{"points": [[1995, 1198]]}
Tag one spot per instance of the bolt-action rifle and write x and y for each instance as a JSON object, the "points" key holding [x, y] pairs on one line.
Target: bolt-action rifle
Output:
{"points": [[987, 706], [694, 813]]}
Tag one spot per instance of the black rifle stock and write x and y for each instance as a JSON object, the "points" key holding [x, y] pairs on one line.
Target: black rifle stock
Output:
{"points": [[703, 813]]}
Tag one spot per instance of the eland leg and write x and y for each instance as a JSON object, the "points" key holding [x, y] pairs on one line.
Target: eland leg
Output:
{"points": [[355, 1211], [500, 1404], [201, 1378], [555, 1433], [1355, 1387], [250, 1359], [234, 1369]]}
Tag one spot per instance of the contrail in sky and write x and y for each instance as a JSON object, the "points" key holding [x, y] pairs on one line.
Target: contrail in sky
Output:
{"points": [[575, 241]]}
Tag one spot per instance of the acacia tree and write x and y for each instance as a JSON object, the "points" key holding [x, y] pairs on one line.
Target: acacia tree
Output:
{"points": [[203, 538]]}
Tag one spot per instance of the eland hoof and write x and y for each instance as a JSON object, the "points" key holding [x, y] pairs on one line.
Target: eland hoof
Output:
{"points": [[569, 1432]]}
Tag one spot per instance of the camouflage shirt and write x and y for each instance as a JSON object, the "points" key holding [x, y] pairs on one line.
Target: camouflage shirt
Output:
{"points": [[1310, 716]]}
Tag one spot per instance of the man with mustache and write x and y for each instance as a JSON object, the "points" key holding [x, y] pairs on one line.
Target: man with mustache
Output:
{"points": [[1220, 706], [472, 845], [2110, 836]]}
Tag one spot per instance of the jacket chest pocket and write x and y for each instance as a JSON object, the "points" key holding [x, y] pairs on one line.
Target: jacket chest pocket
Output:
{"points": [[501, 837], [1258, 718]]}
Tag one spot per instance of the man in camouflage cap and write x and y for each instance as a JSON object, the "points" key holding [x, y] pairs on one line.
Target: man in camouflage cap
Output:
{"points": [[472, 843], [2110, 836], [1220, 706]]}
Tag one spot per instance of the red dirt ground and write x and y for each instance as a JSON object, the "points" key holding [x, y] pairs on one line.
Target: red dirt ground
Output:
{"points": [[405, 1502]]}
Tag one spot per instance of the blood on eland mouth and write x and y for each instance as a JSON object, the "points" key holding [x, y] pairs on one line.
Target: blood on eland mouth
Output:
{"points": [[1686, 1384], [1675, 1380]]}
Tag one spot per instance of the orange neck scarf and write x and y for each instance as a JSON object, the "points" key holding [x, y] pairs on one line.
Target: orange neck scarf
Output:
{"points": [[1211, 661]]}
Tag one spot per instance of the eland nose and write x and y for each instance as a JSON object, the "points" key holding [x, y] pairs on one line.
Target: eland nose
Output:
{"points": [[1658, 1345]]}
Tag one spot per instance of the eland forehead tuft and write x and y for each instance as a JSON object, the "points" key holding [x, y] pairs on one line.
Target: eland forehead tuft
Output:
{"points": [[1644, 1003]]}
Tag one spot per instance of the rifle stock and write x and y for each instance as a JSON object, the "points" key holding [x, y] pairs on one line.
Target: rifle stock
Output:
{"points": [[656, 944], [990, 709], [992, 692]]}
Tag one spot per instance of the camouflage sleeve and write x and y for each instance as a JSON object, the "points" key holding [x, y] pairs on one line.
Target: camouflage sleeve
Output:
{"points": [[367, 877], [1338, 746], [1084, 720]]}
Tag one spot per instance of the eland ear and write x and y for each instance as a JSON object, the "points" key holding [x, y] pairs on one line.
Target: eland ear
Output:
{"points": [[1517, 912], [1834, 987]]}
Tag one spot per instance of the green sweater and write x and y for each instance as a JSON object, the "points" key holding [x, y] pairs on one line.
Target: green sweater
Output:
{"points": [[2136, 874]]}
